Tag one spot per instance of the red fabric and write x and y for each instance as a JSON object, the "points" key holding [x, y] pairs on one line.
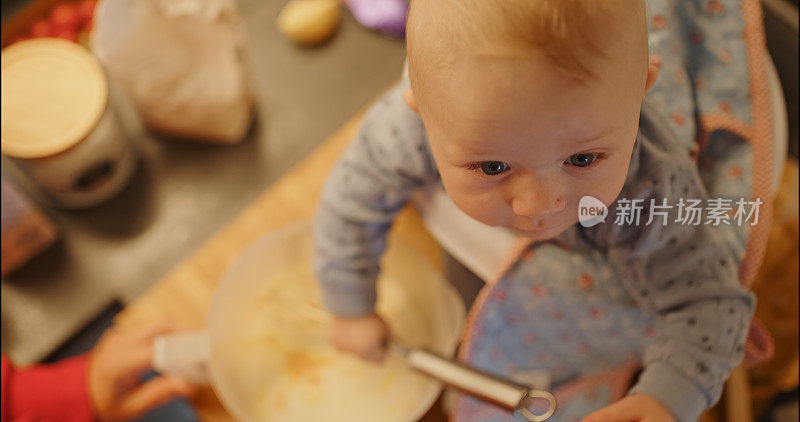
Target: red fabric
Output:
{"points": [[46, 393]]}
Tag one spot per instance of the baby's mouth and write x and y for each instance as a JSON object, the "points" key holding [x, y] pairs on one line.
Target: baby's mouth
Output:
{"points": [[535, 231], [540, 231], [538, 226]]}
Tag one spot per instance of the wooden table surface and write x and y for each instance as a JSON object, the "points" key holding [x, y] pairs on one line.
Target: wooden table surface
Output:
{"points": [[183, 296]]}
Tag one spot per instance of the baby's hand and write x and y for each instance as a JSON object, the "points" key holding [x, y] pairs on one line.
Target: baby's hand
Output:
{"points": [[116, 366], [366, 336], [634, 408]]}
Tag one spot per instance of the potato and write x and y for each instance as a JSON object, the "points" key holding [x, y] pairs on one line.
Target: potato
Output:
{"points": [[309, 22]]}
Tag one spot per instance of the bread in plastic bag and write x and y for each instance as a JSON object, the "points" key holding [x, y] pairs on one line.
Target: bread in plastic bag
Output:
{"points": [[181, 61]]}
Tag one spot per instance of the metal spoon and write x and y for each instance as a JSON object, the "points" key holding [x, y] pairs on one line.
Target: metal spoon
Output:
{"points": [[518, 398]]}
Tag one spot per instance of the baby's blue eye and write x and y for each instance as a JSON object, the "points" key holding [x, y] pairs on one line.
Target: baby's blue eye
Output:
{"points": [[493, 168], [582, 160]]}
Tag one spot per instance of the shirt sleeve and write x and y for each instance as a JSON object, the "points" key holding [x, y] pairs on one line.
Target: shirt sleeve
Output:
{"points": [[46, 392], [387, 161], [686, 273]]}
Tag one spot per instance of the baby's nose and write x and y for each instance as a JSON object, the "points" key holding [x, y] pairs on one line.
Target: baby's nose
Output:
{"points": [[538, 204], [537, 208]]}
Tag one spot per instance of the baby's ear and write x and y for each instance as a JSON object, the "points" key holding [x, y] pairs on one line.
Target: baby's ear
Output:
{"points": [[408, 97], [652, 76]]}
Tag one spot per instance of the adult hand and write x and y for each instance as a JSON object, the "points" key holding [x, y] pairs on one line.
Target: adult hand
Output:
{"points": [[116, 366]]}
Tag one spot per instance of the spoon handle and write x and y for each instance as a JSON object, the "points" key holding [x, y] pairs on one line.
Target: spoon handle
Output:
{"points": [[504, 393]]}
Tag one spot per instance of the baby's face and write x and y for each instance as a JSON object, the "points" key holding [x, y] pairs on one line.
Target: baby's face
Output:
{"points": [[518, 144]]}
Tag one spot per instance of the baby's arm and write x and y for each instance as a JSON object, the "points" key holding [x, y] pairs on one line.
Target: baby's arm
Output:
{"points": [[704, 318], [688, 275], [370, 183]]}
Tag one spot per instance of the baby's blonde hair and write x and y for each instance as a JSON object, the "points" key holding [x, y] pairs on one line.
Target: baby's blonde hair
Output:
{"points": [[566, 31]]}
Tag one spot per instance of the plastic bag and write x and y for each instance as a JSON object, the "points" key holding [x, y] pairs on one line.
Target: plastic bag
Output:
{"points": [[181, 62]]}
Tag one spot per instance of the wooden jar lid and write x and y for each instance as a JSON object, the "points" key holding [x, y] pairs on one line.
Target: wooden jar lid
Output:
{"points": [[53, 94]]}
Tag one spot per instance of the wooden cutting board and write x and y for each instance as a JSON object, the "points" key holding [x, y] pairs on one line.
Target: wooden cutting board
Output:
{"points": [[183, 296]]}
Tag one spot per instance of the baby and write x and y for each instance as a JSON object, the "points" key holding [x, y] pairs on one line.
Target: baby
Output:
{"points": [[520, 108]]}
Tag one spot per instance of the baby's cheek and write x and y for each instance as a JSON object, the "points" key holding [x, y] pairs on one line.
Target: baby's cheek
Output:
{"points": [[609, 184], [486, 207], [615, 185]]}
